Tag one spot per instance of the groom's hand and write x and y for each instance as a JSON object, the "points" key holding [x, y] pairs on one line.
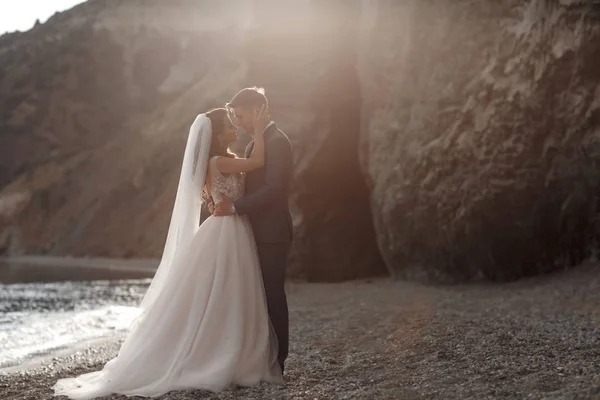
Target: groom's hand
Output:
{"points": [[223, 208]]}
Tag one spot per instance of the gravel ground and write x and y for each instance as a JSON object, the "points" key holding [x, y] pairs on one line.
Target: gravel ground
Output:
{"points": [[384, 339]]}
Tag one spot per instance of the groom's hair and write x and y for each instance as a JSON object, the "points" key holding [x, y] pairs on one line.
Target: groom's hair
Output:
{"points": [[249, 97]]}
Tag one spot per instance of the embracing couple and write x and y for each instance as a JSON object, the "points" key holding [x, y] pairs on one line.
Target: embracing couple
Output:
{"points": [[215, 314]]}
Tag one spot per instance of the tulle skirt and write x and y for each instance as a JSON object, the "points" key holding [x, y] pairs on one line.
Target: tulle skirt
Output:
{"points": [[208, 328]]}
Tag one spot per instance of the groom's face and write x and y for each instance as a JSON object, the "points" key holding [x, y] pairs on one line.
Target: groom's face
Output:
{"points": [[243, 117]]}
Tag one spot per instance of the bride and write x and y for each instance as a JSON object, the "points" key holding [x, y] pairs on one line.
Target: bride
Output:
{"points": [[203, 322]]}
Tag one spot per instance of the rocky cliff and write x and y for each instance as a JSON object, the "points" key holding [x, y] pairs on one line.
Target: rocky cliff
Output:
{"points": [[481, 134], [309, 65], [99, 100], [442, 140], [95, 106]]}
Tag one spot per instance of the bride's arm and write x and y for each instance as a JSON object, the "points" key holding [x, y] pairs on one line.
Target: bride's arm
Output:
{"points": [[257, 160]]}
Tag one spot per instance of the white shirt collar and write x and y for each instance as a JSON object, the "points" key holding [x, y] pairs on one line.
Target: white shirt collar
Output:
{"points": [[269, 124]]}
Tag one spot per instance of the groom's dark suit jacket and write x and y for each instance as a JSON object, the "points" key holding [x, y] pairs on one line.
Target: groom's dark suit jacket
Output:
{"points": [[266, 203], [266, 199]]}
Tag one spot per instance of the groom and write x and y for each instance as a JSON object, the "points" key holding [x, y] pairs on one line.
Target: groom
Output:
{"points": [[266, 204]]}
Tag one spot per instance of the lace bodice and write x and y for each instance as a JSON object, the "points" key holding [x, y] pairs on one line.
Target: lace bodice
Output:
{"points": [[231, 185]]}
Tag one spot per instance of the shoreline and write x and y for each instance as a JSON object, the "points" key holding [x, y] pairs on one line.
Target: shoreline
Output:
{"points": [[33, 268], [43, 360], [384, 339], [143, 264]]}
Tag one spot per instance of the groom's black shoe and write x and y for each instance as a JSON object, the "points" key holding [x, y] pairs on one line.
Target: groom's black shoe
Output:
{"points": [[282, 367]]}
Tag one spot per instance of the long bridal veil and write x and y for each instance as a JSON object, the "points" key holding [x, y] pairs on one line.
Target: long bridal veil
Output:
{"points": [[185, 222], [185, 218]]}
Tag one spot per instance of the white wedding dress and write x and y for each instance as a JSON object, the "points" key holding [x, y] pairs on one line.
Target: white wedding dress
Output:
{"points": [[204, 321]]}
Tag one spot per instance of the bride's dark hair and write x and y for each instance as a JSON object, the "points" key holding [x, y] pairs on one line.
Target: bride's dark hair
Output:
{"points": [[217, 120], [217, 147]]}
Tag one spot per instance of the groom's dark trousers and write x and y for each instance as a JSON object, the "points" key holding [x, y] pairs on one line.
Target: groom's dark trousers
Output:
{"points": [[266, 204]]}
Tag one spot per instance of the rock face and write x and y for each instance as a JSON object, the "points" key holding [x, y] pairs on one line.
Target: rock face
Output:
{"points": [[444, 140], [309, 64], [96, 106], [481, 134]]}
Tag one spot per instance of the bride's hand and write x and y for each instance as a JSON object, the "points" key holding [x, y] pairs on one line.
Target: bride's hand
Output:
{"points": [[261, 120]]}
